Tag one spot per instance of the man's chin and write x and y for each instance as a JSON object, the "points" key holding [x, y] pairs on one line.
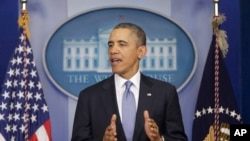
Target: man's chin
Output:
{"points": [[116, 71]]}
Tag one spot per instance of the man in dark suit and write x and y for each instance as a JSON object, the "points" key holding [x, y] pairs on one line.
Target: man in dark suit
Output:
{"points": [[101, 114]]}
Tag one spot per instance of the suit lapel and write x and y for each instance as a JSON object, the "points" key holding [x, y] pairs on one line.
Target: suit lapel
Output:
{"points": [[109, 97], [145, 102], [110, 105]]}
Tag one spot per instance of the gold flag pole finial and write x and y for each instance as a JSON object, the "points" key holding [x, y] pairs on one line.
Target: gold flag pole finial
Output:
{"points": [[216, 7]]}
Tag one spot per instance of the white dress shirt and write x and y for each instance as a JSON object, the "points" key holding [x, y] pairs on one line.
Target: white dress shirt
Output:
{"points": [[120, 88]]}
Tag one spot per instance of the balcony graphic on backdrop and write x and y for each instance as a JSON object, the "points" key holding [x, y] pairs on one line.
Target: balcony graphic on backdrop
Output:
{"points": [[92, 55]]}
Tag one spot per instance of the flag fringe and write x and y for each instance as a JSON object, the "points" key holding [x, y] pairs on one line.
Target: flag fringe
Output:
{"points": [[23, 22], [221, 35]]}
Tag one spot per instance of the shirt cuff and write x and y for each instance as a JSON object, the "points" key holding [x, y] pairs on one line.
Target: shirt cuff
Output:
{"points": [[162, 138]]}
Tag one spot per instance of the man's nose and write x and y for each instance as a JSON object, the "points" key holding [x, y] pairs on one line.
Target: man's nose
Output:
{"points": [[113, 49]]}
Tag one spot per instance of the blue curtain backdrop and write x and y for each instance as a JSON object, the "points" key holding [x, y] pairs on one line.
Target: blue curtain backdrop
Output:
{"points": [[9, 33], [245, 58], [232, 27]]}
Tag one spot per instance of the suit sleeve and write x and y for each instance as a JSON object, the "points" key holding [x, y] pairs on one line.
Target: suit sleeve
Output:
{"points": [[174, 124], [81, 125]]}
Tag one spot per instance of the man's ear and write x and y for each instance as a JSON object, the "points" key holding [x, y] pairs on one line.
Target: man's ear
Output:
{"points": [[142, 51]]}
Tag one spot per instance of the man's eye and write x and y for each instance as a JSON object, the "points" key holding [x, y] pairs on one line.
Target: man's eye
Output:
{"points": [[110, 45], [123, 44]]}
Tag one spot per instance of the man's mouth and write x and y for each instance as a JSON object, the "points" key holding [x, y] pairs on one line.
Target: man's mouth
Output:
{"points": [[115, 61]]}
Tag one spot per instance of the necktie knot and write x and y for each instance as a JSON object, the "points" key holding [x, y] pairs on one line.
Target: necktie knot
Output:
{"points": [[128, 93], [128, 84]]}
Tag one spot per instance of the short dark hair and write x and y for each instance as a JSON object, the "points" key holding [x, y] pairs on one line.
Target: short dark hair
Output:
{"points": [[137, 30]]}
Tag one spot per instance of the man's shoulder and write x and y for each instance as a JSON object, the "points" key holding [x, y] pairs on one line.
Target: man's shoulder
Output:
{"points": [[100, 84], [156, 82]]}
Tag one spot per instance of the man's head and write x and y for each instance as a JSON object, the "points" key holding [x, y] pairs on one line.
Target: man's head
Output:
{"points": [[136, 30], [127, 45]]}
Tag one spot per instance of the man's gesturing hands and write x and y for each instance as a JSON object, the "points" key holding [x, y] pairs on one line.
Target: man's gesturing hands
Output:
{"points": [[151, 129], [110, 132]]}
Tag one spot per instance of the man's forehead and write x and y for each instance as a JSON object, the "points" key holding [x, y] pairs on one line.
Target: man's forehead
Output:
{"points": [[121, 30], [121, 33]]}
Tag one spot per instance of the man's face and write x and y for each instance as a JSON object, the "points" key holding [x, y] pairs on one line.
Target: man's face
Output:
{"points": [[124, 52]]}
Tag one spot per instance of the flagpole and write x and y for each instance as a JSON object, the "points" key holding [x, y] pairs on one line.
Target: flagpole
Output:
{"points": [[24, 4], [216, 7], [216, 75], [23, 23]]}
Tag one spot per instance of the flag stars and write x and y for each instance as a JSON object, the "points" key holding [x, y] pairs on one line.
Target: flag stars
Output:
{"points": [[39, 86], [13, 61], [33, 73], [1, 116], [198, 113], [17, 72], [13, 94], [27, 106], [204, 111], [24, 72], [25, 117], [33, 118], [227, 111], [11, 72], [3, 106], [18, 105], [8, 83], [38, 96], [35, 107], [238, 117], [22, 128], [12, 138], [232, 114], [16, 117], [45, 108], [29, 95], [22, 37], [209, 110], [28, 49], [20, 94], [222, 110], [20, 49], [7, 128], [6, 95], [22, 83], [31, 84], [10, 117], [11, 105], [14, 128], [15, 83], [33, 63], [27, 61], [19, 60]]}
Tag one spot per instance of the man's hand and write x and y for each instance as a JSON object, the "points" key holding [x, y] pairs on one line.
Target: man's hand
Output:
{"points": [[110, 132], [151, 128]]}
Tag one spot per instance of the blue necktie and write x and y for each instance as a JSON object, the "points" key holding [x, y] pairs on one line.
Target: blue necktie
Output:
{"points": [[128, 111]]}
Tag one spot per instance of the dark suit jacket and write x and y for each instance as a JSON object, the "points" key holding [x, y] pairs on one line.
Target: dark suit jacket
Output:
{"points": [[97, 103]]}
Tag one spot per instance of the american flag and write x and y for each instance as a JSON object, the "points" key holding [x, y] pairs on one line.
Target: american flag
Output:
{"points": [[24, 112]]}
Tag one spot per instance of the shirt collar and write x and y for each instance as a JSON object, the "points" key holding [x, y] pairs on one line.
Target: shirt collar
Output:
{"points": [[134, 79]]}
